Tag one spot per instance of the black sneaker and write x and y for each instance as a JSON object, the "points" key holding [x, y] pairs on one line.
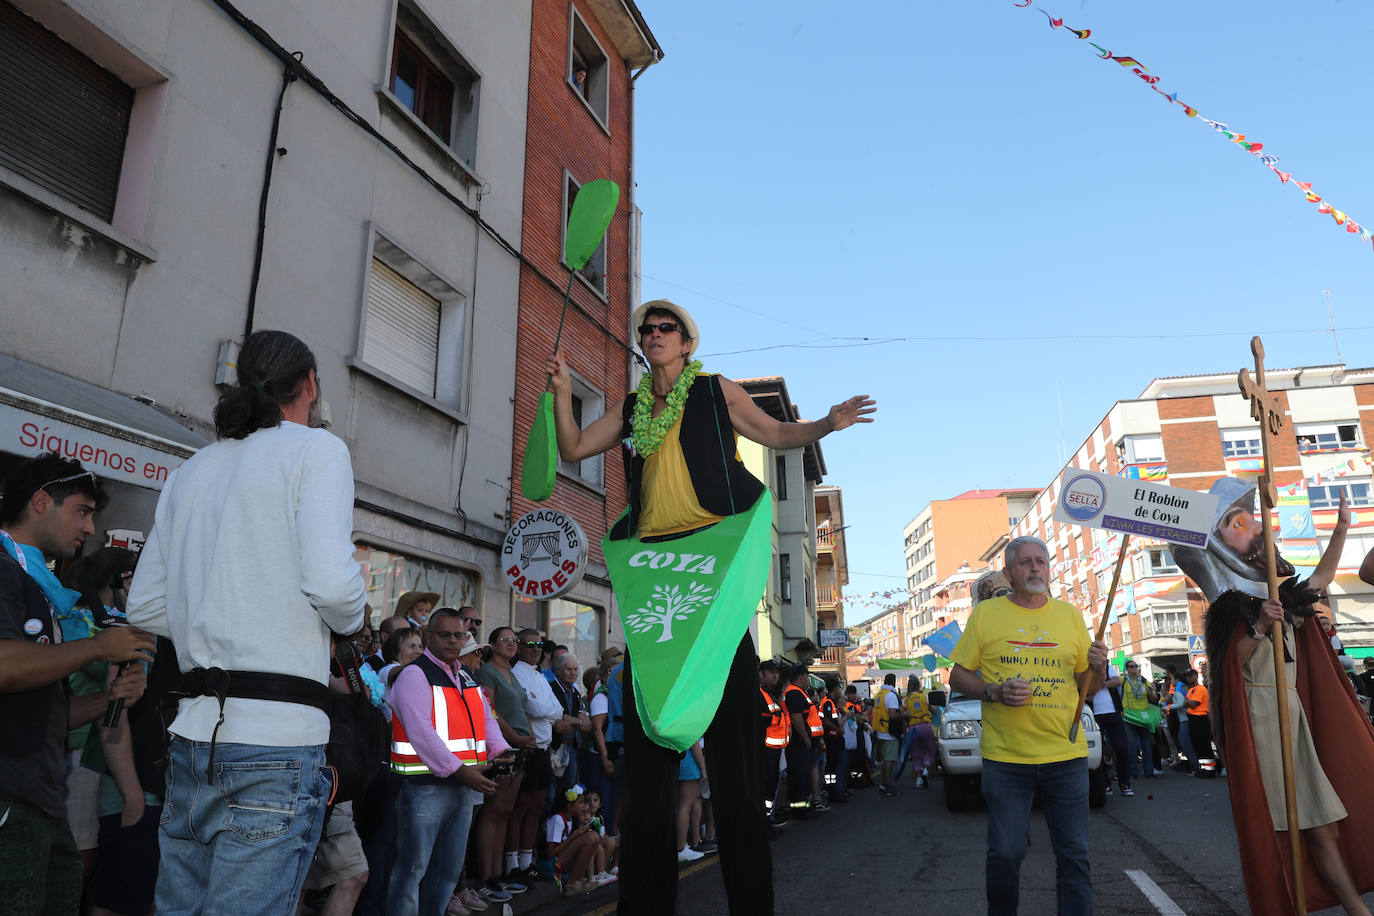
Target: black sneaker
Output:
{"points": [[510, 883], [531, 875], [493, 891]]}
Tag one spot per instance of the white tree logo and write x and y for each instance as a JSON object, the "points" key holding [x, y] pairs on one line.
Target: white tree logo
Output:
{"points": [[669, 603]]}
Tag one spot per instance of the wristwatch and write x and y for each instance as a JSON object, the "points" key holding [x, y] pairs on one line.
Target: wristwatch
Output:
{"points": [[987, 694]]}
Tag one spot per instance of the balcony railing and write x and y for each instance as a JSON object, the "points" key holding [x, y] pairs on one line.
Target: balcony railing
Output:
{"points": [[825, 537], [827, 594], [832, 656]]}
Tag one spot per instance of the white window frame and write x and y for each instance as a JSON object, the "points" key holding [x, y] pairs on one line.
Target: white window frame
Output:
{"points": [[596, 264], [591, 471], [1326, 437], [1146, 565], [451, 388], [1138, 450], [1358, 492], [583, 45], [1242, 442]]}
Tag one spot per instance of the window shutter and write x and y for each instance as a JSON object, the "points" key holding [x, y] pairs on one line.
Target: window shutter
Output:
{"points": [[63, 119], [402, 337]]}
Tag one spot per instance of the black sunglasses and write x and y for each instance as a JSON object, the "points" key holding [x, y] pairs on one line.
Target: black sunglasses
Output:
{"points": [[536, 644], [663, 327], [68, 479]]}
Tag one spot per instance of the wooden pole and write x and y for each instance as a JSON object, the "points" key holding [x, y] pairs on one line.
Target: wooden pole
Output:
{"points": [[1271, 421], [1090, 685]]}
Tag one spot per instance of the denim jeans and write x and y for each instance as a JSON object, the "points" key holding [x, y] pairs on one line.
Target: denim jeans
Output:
{"points": [[433, 826], [243, 842], [1008, 789], [1140, 741]]}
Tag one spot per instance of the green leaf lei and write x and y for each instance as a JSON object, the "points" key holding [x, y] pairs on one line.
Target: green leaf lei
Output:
{"points": [[649, 430]]}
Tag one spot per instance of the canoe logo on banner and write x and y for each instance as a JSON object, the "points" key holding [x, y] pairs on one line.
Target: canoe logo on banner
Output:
{"points": [[544, 554], [1083, 498]]}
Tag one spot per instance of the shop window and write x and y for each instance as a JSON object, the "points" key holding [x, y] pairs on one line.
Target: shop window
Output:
{"points": [[387, 576], [594, 271], [580, 627], [588, 68], [588, 405], [430, 79], [414, 328]]}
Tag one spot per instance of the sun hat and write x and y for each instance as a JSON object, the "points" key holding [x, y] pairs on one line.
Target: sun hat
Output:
{"points": [[667, 305], [403, 604]]}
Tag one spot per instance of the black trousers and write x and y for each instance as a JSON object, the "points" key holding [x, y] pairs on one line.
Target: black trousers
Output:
{"points": [[771, 760], [1200, 730], [798, 771], [648, 822], [1114, 730]]}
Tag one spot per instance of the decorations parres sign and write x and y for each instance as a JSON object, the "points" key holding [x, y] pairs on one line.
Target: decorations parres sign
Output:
{"points": [[544, 554]]}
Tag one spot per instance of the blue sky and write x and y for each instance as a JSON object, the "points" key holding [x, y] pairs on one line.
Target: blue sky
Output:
{"points": [[1029, 226]]}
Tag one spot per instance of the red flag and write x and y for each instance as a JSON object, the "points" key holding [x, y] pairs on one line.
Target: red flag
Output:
{"points": [[1305, 185], [1323, 207], [1352, 226]]}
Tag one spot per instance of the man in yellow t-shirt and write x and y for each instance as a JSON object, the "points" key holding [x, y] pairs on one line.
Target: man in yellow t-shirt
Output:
{"points": [[1025, 655]]}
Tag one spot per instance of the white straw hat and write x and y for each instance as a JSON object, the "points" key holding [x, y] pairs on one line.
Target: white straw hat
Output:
{"points": [[667, 305]]}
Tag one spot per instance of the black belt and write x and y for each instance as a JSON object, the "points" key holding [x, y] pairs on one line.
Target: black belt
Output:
{"points": [[246, 685]]}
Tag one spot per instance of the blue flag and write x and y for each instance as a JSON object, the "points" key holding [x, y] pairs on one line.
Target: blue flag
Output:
{"points": [[943, 639]]}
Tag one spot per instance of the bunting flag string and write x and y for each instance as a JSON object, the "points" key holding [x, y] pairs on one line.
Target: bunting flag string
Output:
{"points": [[1253, 147]]}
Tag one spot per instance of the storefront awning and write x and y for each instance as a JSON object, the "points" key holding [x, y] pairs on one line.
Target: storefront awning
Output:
{"points": [[113, 435]]}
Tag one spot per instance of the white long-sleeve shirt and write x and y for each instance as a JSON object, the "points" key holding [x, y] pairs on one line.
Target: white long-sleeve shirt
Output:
{"points": [[541, 706], [249, 566]]}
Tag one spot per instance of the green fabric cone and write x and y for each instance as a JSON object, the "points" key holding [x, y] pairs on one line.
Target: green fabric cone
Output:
{"points": [[685, 604], [541, 453]]}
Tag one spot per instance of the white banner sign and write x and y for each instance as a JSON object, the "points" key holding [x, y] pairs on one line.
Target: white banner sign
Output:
{"points": [[30, 434], [1134, 507]]}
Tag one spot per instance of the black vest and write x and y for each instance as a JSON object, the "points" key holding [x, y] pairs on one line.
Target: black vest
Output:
{"points": [[722, 483]]}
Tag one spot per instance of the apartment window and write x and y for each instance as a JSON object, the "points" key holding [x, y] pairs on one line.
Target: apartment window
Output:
{"points": [[594, 271], [1156, 561], [1148, 447], [780, 477], [1357, 493], [1327, 437], [785, 575], [1241, 443], [63, 118], [430, 79], [588, 405], [1164, 623], [414, 328], [586, 57]]}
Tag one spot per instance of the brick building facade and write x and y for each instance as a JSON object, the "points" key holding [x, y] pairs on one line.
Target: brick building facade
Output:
{"points": [[583, 58]]}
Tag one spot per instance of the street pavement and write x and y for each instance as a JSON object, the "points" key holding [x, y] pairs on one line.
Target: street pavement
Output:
{"points": [[889, 856]]}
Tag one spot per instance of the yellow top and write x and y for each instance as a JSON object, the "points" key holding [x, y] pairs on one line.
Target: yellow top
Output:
{"points": [[1046, 646], [670, 504], [917, 707]]}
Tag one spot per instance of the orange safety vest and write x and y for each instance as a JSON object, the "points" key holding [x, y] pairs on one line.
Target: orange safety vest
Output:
{"points": [[457, 714], [813, 718], [777, 733], [829, 711]]}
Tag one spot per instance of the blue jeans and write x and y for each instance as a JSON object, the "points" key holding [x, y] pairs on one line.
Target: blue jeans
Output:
{"points": [[432, 844], [1140, 741], [245, 841], [1008, 789]]}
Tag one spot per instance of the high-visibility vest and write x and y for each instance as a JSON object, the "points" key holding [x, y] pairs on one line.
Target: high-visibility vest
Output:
{"points": [[829, 712], [881, 714], [855, 708], [776, 733], [457, 714], [918, 709], [1198, 693], [813, 718]]}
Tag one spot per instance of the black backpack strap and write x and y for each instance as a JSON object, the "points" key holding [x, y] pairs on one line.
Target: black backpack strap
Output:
{"points": [[246, 685]]}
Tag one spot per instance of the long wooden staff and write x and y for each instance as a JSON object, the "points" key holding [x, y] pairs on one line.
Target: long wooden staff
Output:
{"points": [[1270, 415], [1090, 685]]}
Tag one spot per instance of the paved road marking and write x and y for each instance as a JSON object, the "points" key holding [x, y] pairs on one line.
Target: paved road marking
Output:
{"points": [[689, 870], [1153, 893]]}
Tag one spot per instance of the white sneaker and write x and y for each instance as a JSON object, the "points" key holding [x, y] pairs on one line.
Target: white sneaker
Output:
{"points": [[472, 900], [688, 854], [603, 878]]}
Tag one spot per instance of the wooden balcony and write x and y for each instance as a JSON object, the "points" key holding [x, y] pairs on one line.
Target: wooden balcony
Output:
{"points": [[827, 595], [825, 539], [832, 657]]}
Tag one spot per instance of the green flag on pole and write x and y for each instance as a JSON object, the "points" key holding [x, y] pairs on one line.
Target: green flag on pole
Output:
{"points": [[685, 604]]}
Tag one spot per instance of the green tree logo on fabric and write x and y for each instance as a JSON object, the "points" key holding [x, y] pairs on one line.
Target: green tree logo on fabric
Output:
{"points": [[673, 604]]}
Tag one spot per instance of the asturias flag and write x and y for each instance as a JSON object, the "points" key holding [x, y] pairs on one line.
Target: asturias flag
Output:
{"points": [[943, 639]]}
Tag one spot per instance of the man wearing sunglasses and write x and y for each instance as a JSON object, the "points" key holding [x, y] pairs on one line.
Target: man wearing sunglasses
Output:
{"points": [[684, 475], [47, 508]]}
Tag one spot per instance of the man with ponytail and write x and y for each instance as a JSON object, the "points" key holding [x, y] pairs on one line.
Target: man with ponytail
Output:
{"points": [[252, 535]]}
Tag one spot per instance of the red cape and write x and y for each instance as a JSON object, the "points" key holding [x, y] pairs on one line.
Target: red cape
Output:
{"points": [[1345, 746]]}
